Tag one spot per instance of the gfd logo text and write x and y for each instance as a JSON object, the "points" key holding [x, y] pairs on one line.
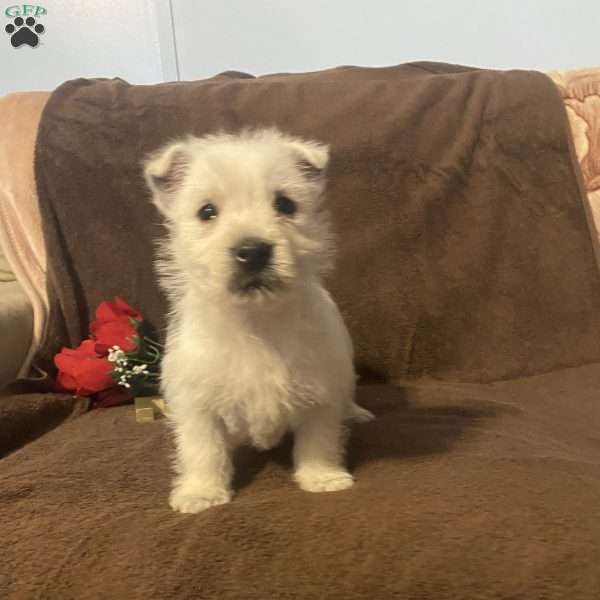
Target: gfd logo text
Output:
{"points": [[25, 10]]}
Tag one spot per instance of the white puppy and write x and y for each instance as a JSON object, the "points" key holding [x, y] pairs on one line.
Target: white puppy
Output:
{"points": [[255, 345]]}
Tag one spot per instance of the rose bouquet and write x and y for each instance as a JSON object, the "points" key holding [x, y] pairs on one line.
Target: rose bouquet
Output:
{"points": [[116, 363]]}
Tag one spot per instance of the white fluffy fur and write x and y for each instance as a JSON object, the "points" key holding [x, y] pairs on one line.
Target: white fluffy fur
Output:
{"points": [[247, 368]]}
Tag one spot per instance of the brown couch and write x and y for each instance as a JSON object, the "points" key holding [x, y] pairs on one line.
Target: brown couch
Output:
{"points": [[468, 277]]}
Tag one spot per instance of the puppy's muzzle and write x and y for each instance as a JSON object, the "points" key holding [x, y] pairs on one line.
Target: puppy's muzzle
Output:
{"points": [[252, 256], [254, 271]]}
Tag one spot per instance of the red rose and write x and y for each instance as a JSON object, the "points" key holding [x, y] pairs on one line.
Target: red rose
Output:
{"points": [[116, 333], [113, 310], [115, 326], [82, 371]]}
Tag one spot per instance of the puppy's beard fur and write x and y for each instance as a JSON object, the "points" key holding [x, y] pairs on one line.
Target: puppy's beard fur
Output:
{"points": [[250, 355]]}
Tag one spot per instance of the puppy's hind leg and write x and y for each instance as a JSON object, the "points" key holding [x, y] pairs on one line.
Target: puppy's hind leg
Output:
{"points": [[203, 464], [319, 452], [358, 414]]}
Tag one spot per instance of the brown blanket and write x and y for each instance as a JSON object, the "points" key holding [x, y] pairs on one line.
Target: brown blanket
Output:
{"points": [[463, 245], [463, 492], [464, 254]]}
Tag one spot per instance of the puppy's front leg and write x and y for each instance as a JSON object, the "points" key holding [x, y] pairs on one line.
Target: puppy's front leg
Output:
{"points": [[203, 465], [319, 452]]}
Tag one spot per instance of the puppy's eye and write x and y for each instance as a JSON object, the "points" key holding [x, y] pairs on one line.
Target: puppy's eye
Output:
{"points": [[208, 212], [285, 206]]}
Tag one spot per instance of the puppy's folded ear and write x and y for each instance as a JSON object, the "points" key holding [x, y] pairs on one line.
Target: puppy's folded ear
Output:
{"points": [[313, 158], [165, 171]]}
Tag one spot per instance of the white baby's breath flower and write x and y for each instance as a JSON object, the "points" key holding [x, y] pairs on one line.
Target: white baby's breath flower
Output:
{"points": [[116, 355]]}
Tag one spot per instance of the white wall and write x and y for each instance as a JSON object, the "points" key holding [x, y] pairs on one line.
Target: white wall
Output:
{"points": [[133, 39], [88, 38], [262, 36]]}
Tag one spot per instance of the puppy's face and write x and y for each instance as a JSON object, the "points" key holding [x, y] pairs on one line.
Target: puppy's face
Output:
{"points": [[245, 213]]}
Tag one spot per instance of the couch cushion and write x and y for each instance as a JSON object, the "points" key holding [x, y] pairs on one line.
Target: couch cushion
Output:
{"points": [[24, 417], [463, 491]]}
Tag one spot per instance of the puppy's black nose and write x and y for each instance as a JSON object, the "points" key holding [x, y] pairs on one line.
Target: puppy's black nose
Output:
{"points": [[253, 255]]}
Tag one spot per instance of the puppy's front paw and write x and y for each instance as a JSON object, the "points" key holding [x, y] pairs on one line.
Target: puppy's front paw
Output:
{"points": [[324, 480], [189, 499]]}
